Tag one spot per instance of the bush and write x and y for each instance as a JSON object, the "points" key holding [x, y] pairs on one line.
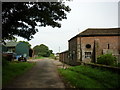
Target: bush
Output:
{"points": [[52, 56], [106, 59], [117, 65]]}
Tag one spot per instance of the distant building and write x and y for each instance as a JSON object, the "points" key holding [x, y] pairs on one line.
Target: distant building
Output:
{"points": [[89, 44], [18, 48], [64, 56]]}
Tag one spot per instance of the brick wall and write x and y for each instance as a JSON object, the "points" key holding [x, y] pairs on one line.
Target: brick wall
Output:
{"points": [[102, 42], [78, 52], [64, 57], [73, 51]]}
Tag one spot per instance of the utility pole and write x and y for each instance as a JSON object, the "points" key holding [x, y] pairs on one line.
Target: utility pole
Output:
{"points": [[59, 49], [78, 30]]}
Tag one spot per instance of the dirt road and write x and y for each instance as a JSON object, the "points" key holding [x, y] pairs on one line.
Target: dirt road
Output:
{"points": [[42, 75]]}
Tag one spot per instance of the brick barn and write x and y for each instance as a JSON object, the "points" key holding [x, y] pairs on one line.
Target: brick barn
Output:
{"points": [[89, 44]]}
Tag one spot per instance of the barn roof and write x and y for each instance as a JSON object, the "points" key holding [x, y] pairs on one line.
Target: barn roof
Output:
{"points": [[99, 32]]}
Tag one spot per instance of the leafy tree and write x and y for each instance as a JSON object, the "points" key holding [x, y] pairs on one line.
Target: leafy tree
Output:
{"points": [[21, 18], [29, 45], [106, 59], [42, 50]]}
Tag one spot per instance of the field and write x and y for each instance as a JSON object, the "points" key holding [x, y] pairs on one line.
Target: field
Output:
{"points": [[87, 77]]}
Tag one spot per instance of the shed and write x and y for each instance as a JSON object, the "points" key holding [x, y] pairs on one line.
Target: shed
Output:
{"points": [[22, 49]]}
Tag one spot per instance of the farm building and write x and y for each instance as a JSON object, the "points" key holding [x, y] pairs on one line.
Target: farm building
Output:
{"points": [[22, 49], [11, 46], [17, 48], [89, 44], [64, 56]]}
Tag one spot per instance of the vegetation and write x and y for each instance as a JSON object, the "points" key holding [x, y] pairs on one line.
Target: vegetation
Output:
{"points": [[21, 18], [29, 45], [42, 51], [39, 57], [52, 56], [106, 59], [12, 69], [87, 77], [118, 65]]}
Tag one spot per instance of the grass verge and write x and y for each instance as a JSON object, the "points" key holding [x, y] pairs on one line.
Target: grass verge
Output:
{"points": [[87, 77], [14, 69]]}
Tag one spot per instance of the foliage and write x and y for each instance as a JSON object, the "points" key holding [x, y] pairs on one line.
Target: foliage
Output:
{"points": [[21, 18], [52, 56], [14, 69], [39, 57], [106, 59], [87, 77], [29, 45], [117, 65], [42, 50]]}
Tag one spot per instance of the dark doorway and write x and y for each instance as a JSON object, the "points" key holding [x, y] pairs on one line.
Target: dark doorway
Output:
{"points": [[30, 52]]}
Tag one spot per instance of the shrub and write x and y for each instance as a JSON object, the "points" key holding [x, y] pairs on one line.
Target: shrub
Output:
{"points": [[52, 56], [118, 64], [107, 59]]}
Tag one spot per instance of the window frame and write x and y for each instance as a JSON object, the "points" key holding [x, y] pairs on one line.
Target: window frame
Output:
{"points": [[88, 54]]}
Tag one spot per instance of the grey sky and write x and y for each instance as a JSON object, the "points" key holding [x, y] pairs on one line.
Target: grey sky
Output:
{"points": [[82, 16]]}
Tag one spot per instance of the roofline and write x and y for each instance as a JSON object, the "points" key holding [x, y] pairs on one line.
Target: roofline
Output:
{"points": [[104, 28], [74, 37], [92, 36], [98, 35], [9, 46], [64, 51], [95, 34]]}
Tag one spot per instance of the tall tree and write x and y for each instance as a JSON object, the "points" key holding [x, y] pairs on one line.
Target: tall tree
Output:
{"points": [[42, 50], [21, 18]]}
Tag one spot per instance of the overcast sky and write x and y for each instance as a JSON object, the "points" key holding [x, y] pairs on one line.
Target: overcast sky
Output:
{"points": [[83, 15]]}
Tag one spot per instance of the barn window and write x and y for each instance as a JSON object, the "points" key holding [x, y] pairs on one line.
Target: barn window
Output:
{"points": [[87, 54], [88, 46]]}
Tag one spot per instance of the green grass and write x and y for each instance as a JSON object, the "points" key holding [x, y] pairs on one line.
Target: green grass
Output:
{"points": [[87, 77], [14, 69], [39, 57]]}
